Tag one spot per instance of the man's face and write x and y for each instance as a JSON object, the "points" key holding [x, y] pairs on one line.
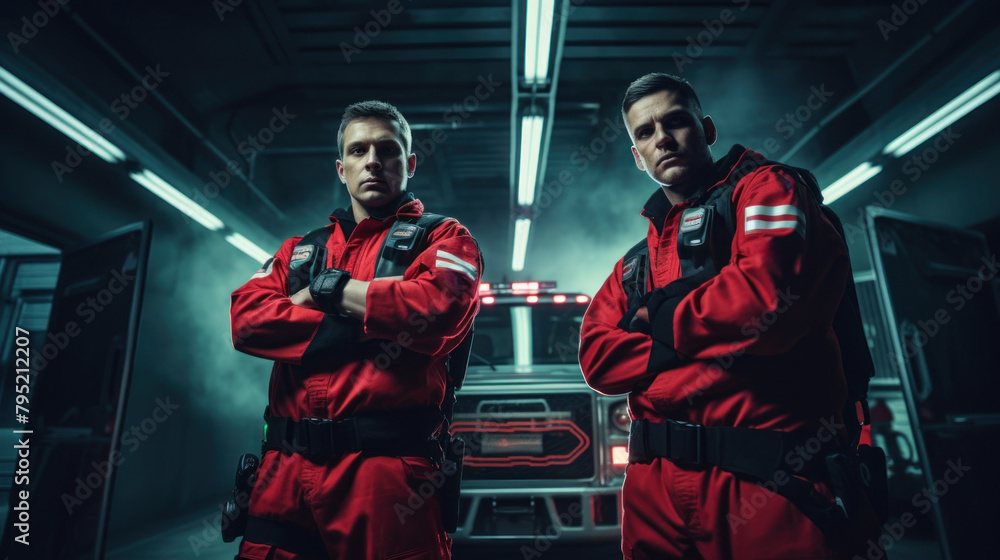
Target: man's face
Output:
{"points": [[670, 142], [375, 165]]}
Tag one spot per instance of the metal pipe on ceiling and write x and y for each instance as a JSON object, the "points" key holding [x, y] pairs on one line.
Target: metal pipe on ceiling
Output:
{"points": [[861, 93], [173, 111]]}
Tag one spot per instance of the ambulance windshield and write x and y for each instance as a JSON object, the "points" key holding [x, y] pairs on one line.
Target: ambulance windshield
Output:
{"points": [[536, 334]]}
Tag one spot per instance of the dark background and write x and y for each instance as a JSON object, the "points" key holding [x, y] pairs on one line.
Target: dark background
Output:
{"points": [[227, 68]]}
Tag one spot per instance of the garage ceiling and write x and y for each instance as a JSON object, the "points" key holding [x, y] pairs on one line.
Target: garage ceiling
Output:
{"points": [[227, 66]]}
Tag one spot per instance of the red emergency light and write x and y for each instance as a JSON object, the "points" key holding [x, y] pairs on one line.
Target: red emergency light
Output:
{"points": [[560, 298], [582, 299], [524, 287], [531, 299], [619, 455], [488, 300]]}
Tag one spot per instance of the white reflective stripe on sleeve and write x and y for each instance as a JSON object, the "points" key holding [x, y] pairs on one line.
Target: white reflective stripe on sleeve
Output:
{"points": [[781, 210], [469, 268], [452, 266], [754, 225], [788, 216]]}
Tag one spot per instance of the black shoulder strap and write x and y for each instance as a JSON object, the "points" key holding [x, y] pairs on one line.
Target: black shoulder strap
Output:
{"points": [[635, 270], [404, 241], [308, 259]]}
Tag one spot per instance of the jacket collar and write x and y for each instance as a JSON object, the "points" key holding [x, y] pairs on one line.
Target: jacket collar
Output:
{"points": [[408, 206], [736, 164], [732, 167]]}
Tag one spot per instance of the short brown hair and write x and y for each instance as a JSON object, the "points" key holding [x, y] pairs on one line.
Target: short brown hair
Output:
{"points": [[656, 82], [373, 110]]}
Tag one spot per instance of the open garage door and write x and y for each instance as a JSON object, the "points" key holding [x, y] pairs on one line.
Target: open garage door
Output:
{"points": [[68, 396], [941, 295]]}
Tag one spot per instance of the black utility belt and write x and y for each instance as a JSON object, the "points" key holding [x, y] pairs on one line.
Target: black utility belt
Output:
{"points": [[765, 457], [399, 433], [731, 448]]}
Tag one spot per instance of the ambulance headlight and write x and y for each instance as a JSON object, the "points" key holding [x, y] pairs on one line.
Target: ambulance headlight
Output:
{"points": [[620, 417]]}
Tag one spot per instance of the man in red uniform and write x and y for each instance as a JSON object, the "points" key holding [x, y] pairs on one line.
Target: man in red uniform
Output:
{"points": [[369, 354], [750, 346]]}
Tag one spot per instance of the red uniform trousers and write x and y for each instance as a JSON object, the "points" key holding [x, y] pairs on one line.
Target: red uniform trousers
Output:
{"points": [[673, 512], [394, 511]]}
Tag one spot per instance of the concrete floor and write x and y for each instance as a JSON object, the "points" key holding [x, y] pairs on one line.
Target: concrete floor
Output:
{"points": [[192, 538]]}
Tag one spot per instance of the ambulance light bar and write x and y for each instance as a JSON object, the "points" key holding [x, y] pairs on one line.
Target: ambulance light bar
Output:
{"points": [[527, 292], [528, 287]]}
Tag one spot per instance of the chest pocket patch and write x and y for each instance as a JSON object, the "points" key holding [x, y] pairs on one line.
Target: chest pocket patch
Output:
{"points": [[300, 256]]}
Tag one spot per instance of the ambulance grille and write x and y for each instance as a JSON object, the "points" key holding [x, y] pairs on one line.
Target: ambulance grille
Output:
{"points": [[518, 437]]}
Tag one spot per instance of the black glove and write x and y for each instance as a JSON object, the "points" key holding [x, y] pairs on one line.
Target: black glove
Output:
{"points": [[327, 289], [660, 305], [302, 273]]}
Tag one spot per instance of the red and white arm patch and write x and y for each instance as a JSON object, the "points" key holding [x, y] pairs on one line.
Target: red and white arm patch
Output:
{"points": [[780, 217], [444, 259]]}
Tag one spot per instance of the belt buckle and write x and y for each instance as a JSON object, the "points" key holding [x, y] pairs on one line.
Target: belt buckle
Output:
{"points": [[637, 444], [319, 436], [687, 443]]}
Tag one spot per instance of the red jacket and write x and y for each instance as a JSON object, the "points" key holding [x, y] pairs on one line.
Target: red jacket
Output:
{"points": [[752, 346], [418, 320]]}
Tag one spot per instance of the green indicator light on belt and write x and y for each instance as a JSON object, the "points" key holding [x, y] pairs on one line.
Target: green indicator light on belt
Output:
{"points": [[265, 431]]}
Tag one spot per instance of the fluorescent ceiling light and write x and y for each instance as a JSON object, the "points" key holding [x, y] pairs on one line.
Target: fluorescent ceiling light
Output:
{"points": [[955, 109], [538, 40], [22, 94], [531, 147], [521, 229], [848, 182], [162, 189], [522, 335], [248, 247]]}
